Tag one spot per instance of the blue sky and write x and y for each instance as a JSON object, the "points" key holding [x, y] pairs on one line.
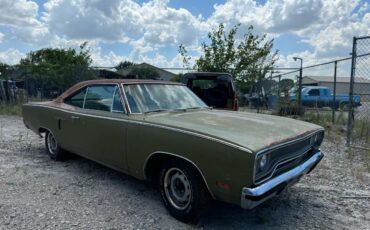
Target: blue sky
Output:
{"points": [[151, 31]]}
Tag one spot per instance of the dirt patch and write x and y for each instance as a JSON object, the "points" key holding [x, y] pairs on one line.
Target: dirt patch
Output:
{"points": [[37, 193]]}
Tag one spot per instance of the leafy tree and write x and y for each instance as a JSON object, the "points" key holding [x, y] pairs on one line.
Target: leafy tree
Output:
{"points": [[248, 59], [286, 84], [124, 65], [177, 77], [57, 69], [3, 68]]}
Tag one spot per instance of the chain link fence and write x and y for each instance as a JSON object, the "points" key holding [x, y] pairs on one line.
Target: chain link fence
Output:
{"points": [[319, 91], [359, 118], [330, 93], [27, 83]]}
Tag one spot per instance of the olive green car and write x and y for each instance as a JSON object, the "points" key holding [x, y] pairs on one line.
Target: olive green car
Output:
{"points": [[161, 131]]}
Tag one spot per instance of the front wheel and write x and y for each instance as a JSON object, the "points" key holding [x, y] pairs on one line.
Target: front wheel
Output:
{"points": [[52, 147], [183, 191]]}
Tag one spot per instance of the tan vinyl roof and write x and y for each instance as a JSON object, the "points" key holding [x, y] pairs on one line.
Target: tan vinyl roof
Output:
{"points": [[82, 84]]}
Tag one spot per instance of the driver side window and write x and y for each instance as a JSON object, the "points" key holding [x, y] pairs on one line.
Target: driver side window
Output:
{"points": [[314, 92]]}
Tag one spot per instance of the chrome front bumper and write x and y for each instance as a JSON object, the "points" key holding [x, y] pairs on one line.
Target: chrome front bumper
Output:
{"points": [[251, 197]]}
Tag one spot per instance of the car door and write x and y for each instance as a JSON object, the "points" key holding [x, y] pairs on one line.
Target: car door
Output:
{"points": [[98, 130], [325, 99], [68, 122]]}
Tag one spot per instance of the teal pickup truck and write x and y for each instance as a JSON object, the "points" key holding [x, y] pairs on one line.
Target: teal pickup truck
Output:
{"points": [[319, 96]]}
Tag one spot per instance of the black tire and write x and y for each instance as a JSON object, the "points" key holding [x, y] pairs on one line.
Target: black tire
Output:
{"points": [[52, 147], [344, 106], [196, 198]]}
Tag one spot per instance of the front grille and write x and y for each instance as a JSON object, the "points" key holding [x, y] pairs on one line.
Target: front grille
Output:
{"points": [[284, 158]]}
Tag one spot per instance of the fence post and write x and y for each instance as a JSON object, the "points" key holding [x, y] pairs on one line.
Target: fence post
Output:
{"points": [[300, 87], [334, 92], [352, 81]]}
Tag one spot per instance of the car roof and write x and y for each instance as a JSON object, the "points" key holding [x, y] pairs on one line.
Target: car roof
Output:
{"points": [[82, 84], [125, 81], [314, 87]]}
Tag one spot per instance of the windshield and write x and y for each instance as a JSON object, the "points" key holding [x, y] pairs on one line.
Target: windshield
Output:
{"points": [[143, 98]]}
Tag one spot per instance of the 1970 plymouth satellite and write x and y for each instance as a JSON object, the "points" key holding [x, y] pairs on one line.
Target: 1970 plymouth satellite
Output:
{"points": [[161, 131]]}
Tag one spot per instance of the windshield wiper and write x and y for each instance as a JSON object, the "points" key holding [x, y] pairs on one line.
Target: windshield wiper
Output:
{"points": [[155, 111], [198, 107]]}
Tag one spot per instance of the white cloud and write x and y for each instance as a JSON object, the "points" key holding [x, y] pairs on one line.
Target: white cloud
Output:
{"points": [[327, 26], [276, 16], [11, 56], [150, 24], [2, 36], [109, 60], [19, 13], [21, 16], [148, 28]]}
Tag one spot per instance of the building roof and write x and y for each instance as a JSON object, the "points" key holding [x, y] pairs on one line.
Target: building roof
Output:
{"points": [[339, 79]]}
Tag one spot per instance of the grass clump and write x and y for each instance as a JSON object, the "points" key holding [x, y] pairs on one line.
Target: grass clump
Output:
{"points": [[15, 109]]}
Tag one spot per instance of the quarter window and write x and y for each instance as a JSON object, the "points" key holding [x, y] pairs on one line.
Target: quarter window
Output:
{"points": [[77, 99]]}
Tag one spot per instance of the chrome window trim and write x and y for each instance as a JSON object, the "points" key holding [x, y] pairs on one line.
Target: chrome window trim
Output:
{"points": [[125, 98], [230, 144], [83, 104], [120, 99], [181, 157], [114, 94], [278, 146]]}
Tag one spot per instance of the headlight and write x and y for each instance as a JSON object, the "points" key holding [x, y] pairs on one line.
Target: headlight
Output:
{"points": [[263, 162], [316, 139]]}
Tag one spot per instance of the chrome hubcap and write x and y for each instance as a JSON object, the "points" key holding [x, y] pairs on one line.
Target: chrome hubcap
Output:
{"points": [[52, 143], [177, 188]]}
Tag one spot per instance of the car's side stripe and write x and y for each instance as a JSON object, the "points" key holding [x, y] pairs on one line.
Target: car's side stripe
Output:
{"points": [[155, 125]]}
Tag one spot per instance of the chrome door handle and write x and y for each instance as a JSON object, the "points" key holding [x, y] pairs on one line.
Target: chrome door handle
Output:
{"points": [[75, 118]]}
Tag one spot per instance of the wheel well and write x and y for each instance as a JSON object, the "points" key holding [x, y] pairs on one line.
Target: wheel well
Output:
{"points": [[154, 163], [42, 130]]}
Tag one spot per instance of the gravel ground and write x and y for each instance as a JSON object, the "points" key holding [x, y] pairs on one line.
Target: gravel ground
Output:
{"points": [[37, 193]]}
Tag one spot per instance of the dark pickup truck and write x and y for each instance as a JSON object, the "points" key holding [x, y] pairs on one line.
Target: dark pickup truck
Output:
{"points": [[319, 96], [217, 90]]}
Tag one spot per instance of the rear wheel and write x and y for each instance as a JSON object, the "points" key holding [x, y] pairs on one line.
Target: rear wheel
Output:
{"points": [[52, 147], [183, 191], [344, 106]]}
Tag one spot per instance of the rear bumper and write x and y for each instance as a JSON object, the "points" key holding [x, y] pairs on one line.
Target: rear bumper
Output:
{"points": [[251, 197]]}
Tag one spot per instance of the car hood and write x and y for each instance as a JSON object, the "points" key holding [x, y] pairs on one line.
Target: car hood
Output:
{"points": [[249, 130]]}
